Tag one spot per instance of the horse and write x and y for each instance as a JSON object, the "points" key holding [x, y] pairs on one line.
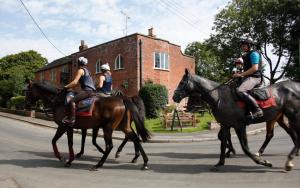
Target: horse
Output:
{"points": [[107, 113], [141, 109], [196, 98], [228, 113]]}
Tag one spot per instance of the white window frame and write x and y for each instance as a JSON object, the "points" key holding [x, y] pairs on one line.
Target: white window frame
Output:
{"points": [[119, 62], [42, 76], [65, 69], [53, 75], [163, 60], [98, 65]]}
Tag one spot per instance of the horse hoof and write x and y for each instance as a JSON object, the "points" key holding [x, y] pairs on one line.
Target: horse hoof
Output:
{"points": [[268, 163], [134, 160], [94, 168], [289, 166], [68, 164], [78, 155], [257, 154], [117, 155], [145, 167], [214, 169]]}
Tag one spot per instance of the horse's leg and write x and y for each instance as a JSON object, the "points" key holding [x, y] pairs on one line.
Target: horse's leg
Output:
{"points": [[83, 137], [269, 136], [241, 133], [229, 146], [296, 127], [107, 131], [136, 141], [223, 137], [120, 148], [59, 132], [289, 130], [94, 138], [70, 145], [137, 152]]}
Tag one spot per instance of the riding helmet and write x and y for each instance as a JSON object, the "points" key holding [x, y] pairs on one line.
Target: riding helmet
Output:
{"points": [[82, 61]]}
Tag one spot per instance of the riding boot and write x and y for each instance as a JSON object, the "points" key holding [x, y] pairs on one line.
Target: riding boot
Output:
{"points": [[70, 120], [251, 102]]}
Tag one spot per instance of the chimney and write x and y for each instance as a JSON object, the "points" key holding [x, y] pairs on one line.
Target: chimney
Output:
{"points": [[150, 32], [82, 46]]}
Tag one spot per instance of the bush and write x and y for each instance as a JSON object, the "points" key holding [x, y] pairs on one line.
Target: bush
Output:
{"points": [[155, 97], [17, 103]]}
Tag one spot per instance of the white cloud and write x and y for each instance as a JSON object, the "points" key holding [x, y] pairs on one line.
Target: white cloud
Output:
{"points": [[66, 22]]}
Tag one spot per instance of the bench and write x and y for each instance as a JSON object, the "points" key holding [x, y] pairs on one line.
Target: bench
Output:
{"points": [[185, 118]]}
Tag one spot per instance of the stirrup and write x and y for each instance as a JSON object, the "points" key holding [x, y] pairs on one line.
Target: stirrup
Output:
{"points": [[67, 121], [257, 114]]}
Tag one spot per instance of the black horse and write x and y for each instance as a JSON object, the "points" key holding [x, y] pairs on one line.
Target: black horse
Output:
{"points": [[224, 106], [107, 113], [270, 125]]}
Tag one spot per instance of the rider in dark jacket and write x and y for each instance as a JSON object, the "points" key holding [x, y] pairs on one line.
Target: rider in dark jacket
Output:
{"points": [[252, 76], [87, 85]]}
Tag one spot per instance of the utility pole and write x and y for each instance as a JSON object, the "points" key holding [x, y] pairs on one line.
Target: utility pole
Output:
{"points": [[126, 19]]}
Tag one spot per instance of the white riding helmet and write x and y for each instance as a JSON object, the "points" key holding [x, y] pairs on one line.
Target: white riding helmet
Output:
{"points": [[105, 67], [82, 61], [239, 60]]}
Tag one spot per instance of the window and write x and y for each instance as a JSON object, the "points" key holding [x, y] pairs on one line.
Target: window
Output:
{"points": [[65, 69], [53, 75], [119, 62], [42, 76], [98, 65], [161, 60]]}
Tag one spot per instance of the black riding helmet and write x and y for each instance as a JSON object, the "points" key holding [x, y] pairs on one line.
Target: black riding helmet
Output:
{"points": [[247, 41]]}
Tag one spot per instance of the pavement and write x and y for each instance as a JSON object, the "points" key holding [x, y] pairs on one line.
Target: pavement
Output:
{"points": [[155, 138]]}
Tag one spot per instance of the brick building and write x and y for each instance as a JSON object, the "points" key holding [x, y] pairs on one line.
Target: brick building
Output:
{"points": [[133, 59]]}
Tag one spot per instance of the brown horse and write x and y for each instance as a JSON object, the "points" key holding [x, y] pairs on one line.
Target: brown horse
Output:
{"points": [[107, 113], [141, 109]]}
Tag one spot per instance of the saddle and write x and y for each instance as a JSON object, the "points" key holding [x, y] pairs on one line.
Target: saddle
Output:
{"points": [[263, 96], [83, 107]]}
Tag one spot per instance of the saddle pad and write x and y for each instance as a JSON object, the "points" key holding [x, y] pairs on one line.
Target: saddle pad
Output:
{"points": [[262, 103]]}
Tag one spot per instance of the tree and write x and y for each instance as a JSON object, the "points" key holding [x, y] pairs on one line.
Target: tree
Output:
{"points": [[14, 69], [208, 63], [273, 24]]}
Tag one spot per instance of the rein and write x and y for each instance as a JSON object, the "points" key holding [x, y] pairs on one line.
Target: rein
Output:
{"points": [[223, 83]]}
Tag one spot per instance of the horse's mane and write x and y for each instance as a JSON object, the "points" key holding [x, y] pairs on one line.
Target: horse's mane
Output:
{"points": [[46, 86]]}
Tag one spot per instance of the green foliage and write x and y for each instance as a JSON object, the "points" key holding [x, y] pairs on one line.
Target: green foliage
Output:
{"points": [[17, 102], [155, 96], [271, 23], [208, 63], [14, 69]]}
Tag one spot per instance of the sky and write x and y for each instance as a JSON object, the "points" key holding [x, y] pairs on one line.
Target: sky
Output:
{"points": [[66, 22]]}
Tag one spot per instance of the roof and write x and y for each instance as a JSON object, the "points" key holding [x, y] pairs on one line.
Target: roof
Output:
{"points": [[57, 62], [67, 59]]}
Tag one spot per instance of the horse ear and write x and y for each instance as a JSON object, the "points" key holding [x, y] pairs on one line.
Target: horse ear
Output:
{"points": [[186, 71]]}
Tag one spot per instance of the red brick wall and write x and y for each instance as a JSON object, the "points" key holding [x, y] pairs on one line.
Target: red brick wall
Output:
{"points": [[177, 63]]}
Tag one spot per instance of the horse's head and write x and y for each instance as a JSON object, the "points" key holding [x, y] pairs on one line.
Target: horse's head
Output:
{"points": [[40, 90], [184, 88]]}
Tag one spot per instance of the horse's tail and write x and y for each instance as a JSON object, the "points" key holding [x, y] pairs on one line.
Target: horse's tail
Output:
{"points": [[139, 103], [138, 119]]}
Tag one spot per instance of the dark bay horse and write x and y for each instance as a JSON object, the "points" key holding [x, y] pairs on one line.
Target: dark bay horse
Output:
{"points": [[107, 113], [228, 113], [138, 102], [270, 125]]}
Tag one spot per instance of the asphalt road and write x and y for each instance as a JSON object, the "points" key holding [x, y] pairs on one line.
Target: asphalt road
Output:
{"points": [[27, 161]]}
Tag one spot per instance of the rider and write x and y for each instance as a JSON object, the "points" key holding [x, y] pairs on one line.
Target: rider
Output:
{"points": [[87, 85], [105, 81], [252, 76]]}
